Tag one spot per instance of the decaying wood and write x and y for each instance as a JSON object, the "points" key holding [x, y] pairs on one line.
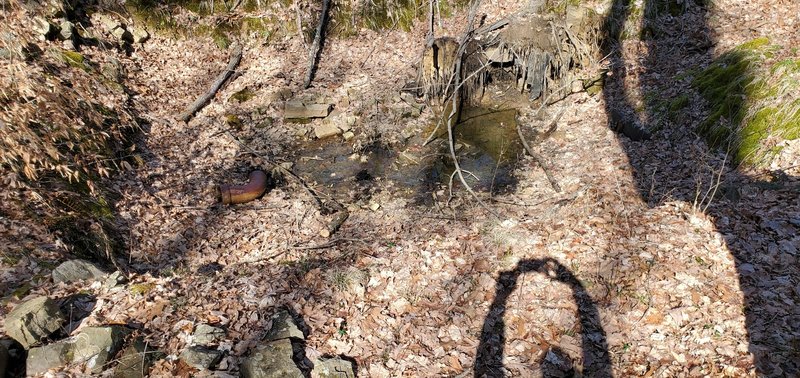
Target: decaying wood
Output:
{"points": [[236, 57], [338, 219], [318, 41]]}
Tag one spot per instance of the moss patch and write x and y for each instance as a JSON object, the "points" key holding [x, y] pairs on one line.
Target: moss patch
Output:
{"points": [[142, 288], [74, 59], [233, 121], [752, 109], [242, 95]]}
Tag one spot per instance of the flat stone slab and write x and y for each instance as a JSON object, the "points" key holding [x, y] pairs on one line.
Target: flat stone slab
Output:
{"points": [[298, 109], [51, 356], [76, 270], [333, 368]]}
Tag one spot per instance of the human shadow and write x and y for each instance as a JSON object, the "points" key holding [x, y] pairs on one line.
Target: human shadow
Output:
{"points": [[758, 233], [489, 360]]}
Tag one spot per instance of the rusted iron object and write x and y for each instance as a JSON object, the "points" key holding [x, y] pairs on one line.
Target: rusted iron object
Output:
{"points": [[233, 194]]}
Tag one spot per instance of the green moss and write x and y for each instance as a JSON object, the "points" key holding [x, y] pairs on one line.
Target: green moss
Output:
{"points": [[242, 95], [233, 120], [749, 101], [74, 59], [220, 38], [267, 26], [678, 103], [22, 290], [155, 16], [347, 17], [142, 288]]}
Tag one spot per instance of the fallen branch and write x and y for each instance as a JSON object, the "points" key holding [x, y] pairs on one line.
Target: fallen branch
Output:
{"points": [[539, 159], [236, 57], [451, 120], [318, 41]]}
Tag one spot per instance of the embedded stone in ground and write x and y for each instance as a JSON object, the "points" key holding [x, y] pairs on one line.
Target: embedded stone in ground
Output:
{"points": [[32, 321], [76, 270], [271, 360]]}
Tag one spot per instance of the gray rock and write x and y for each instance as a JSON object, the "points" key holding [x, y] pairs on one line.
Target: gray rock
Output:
{"points": [[69, 45], [297, 109], [207, 335], [140, 34], [333, 368], [122, 34], [32, 321], [284, 327], [115, 279], [5, 54], [112, 70], [51, 356], [76, 270], [43, 27], [201, 357], [326, 129], [135, 361], [68, 31], [98, 345], [271, 360]]}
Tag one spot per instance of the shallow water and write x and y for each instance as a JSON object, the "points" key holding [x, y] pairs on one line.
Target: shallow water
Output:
{"points": [[488, 149]]}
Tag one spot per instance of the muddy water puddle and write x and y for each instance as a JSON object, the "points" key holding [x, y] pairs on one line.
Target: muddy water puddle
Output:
{"points": [[487, 147]]}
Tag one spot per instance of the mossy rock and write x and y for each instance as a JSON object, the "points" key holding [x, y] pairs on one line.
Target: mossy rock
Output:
{"points": [[242, 96], [74, 59], [141, 289], [751, 108], [233, 121]]}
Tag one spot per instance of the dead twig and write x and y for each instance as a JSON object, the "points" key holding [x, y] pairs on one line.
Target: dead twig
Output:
{"points": [[236, 57], [451, 120], [327, 244], [538, 158], [317, 45]]}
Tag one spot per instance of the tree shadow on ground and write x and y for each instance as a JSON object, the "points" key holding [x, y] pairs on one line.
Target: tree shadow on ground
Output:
{"points": [[753, 215], [596, 360]]}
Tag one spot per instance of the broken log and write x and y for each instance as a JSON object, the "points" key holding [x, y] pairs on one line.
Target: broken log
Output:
{"points": [[318, 41], [236, 57]]}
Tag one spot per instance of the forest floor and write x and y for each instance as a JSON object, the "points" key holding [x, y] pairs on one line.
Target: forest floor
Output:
{"points": [[682, 280]]}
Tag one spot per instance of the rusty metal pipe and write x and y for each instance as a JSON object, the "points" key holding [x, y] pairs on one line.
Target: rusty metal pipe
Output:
{"points": [[233, 194]]}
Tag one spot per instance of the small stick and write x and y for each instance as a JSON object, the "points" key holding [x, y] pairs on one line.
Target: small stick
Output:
{"points": [[539, 160], [236, 57], [451, 120], [318, 42]]}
